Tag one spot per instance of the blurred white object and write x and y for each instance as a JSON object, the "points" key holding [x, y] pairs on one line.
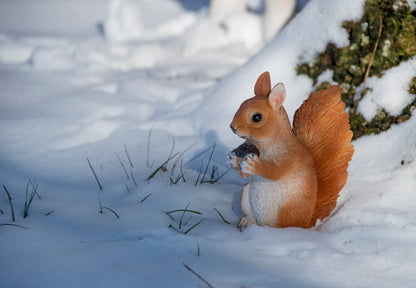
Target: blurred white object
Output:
{"points": [[244, 28], [219, 10], [123, 22], [204, 36], [276, 14]]}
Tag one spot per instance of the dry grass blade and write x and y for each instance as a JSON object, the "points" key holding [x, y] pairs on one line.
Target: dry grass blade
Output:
{"points": [[183, 210], [95, 175], [29, 198], [197, 275], [10, 202], [148, 148], [128, 156], [370, 62], [209, 161], [112, 211], [132, 177], [14, 225], [219, 213], [193, 226], [106, 208], [147, 196], [161, 167], [123, 167]]}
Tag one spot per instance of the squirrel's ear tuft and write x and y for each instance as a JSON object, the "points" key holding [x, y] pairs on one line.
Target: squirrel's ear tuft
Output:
{"points": [[277, 96], [263, 85]]}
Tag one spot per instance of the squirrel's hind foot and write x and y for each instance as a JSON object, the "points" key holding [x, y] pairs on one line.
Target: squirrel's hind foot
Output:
{"points": [[245, 222]]}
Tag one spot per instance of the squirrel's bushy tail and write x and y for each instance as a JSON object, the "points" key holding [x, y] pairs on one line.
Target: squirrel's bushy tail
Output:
{"points": [[322, 125]]}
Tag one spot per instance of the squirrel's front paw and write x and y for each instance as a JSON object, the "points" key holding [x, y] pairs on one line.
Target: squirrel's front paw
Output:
{"points": [[248, 164], [232, 160]]}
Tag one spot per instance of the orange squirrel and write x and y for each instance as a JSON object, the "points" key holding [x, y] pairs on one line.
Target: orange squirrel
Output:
{"points": [[294, 175]]}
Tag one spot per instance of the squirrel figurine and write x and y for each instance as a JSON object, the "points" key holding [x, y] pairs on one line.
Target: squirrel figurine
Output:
{"points": [[294, 175]]}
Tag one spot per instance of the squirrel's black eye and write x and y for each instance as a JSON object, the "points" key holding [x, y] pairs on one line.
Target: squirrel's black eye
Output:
{"points": [[256, 117]]}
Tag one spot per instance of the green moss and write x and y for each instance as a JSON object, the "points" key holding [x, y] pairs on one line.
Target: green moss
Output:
{"points": [[406, 40], [397, 43], [323, 86], [381, 122]]}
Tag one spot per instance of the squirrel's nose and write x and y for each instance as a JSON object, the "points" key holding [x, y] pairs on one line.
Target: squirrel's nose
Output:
{"points": [[233, 129]]}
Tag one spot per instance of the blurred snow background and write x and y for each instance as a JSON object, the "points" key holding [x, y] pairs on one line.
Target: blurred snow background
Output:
{"points": [[128, 84]]}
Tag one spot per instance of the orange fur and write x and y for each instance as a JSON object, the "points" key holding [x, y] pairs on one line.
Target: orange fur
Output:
{"points": [[302, 170], [321, 124], [263, 85], [292, 214]]}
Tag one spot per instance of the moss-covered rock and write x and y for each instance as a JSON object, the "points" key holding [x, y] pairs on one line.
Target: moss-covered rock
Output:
{"points": [[390, 27]]}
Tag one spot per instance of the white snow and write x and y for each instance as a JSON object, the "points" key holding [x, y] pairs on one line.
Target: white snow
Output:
{"points": [[389, 92], [412, 4], [69, 93], [14, 53]]}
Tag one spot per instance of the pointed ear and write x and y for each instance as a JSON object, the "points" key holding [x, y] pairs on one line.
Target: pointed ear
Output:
{"points": [[277, 96], [263, 85]]}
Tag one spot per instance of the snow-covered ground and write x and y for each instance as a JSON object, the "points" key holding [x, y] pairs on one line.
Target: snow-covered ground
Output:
{"points": [[128, 85]]}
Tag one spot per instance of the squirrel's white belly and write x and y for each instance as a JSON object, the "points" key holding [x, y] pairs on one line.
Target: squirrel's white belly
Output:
{"points": [[266, 197]]}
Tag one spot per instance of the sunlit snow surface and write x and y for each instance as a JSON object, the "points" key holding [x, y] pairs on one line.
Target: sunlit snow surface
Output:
{"points": [[72, 88]]}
